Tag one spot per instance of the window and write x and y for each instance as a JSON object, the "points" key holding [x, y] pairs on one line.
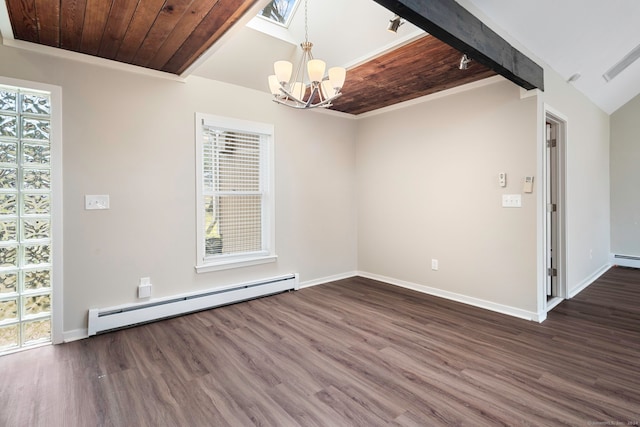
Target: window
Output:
{"points": [[279, 11], [25, 218], [235, 200]]}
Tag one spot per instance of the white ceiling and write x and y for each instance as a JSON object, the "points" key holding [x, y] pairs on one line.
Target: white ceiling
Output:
{"points": [[572, 36], [577, 36]]}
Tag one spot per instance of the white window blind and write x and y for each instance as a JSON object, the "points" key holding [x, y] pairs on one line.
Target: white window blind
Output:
{"points": [[234, 192]]}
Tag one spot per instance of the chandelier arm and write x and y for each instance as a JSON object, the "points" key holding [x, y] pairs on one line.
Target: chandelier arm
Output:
{"points": [[289, 95], [321, 95], [313, 94], [306, 106], [303, 106], [327, 102]]}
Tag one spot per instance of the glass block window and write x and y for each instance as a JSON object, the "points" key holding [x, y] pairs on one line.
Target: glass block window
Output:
{"points": [[234, 181], [25, 218]]}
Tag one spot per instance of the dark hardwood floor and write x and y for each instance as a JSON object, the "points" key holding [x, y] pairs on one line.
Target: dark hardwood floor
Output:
{"points": [[351, 353]]}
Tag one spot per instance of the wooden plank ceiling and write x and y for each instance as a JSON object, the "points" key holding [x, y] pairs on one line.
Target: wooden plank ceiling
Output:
{"points": [[169, 35], [164, 35], [420, 68]]}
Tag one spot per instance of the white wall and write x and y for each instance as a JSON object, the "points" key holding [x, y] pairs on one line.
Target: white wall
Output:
{"points": [[382, 195], [587, 198], [587, 182], [587, 169], [625, 176], [428, 189], [132, 137]]}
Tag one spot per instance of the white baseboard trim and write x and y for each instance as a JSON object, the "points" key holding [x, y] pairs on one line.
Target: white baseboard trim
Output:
{"points": [[625, 260], [540, 317], [323, 280], [553, 303], [589, 280], [78, 334], [476, 302], [75, 335]]}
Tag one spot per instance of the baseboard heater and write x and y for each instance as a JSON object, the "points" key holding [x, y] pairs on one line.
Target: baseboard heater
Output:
{"points": [[107, 319], [626, 260], [629, 257]]}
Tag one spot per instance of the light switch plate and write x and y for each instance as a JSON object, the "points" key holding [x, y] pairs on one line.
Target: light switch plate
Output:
{"points": [[93, 202], [511, 201]]}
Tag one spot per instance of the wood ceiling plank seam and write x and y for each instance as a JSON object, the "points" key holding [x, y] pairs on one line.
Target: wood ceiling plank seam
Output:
{"points": [[95, 21], [222, 17], [426, 48], [141, 23], [118, 22], [365, 107], [385, 99], [181, 32], [448, 84], [383, 75], [22, 14], [163, 26], [71, 23], [48, 22]]}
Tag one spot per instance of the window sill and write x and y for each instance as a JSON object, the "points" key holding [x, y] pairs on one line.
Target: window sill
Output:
{"points": [[235, 263]]}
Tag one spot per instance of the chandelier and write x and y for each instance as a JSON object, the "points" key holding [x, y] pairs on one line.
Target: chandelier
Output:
{"points": [[308, 90]]}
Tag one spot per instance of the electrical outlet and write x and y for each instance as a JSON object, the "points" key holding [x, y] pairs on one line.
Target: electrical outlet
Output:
{"points": [[434, 264], [144, 288]]}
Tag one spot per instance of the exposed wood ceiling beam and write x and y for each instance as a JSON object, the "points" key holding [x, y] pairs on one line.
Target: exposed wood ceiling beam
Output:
{"points": [[454, 25]]}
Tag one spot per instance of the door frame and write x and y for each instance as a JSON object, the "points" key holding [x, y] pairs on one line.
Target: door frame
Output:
{"points": [[561, 122]]}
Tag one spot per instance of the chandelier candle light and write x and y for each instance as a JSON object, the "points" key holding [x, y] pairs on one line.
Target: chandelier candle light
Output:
{"points": [[291, 90]]}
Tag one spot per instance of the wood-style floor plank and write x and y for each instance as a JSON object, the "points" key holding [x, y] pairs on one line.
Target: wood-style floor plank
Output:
{"points": [[355, 352]]}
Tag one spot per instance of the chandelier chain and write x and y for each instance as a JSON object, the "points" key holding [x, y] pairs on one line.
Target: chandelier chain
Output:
{"points": [[306, 25]]}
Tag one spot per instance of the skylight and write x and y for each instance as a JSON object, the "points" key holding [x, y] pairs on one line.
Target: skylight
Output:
{"points": [[279, 12]]}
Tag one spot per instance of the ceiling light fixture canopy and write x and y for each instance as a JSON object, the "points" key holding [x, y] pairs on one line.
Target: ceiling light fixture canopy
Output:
{"points": [[310, 91], [394, 24]]}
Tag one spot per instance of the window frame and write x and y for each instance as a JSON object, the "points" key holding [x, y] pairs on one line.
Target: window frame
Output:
{"points": [[267, 254], [287, 18]]}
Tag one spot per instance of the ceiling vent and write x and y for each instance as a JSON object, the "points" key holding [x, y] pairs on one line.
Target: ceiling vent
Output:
{"points": [[623, 64]]}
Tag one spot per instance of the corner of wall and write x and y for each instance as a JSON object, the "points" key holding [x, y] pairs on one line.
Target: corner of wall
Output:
{"points": [[582, 285]]}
